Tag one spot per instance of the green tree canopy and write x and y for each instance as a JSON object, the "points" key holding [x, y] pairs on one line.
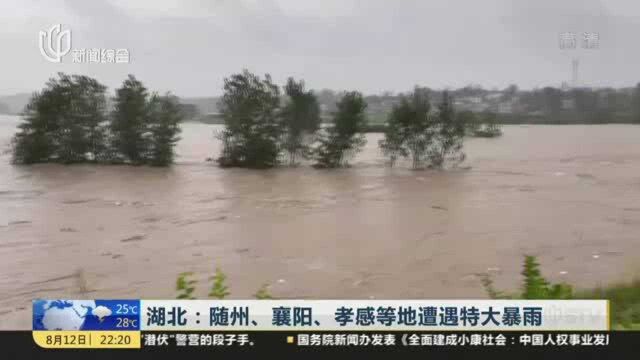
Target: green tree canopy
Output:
{"points": [[344, 137], [449, 134], [130, 121], [253, 130], [166, 115], [301, 117], [636, 103], [413, 130], [67, 122], [410, 128], [63, 123]]}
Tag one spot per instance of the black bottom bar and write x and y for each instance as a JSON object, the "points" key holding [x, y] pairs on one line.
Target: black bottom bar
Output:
{"points": [[20, 344]]}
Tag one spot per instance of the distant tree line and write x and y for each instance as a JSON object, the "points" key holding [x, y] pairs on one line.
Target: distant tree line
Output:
{"points": [[551, 105], [4, 108], [68, 122], [511, 105]]}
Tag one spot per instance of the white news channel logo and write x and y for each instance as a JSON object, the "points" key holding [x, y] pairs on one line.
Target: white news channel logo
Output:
{"points": [[55, 44]]}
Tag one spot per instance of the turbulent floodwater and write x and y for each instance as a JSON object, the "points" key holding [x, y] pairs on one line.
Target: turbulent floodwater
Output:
{"points": [[569, 194]]}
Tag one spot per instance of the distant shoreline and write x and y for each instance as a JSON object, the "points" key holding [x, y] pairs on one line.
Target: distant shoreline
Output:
{"points": [[380, 128]]}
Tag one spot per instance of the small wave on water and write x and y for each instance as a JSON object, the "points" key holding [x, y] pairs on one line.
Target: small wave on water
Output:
{"points": [[20, 194]]}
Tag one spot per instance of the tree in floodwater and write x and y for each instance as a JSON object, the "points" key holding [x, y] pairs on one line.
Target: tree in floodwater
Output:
{"points": [[480, 125], [344, 137], [410, 129], [636, 103], [164, 125], [130, 122], [488, 125], [63, 123], [253, 130], [449, 135], [552, 98], [300, 118], [392, 146], [470, 120], [67, 122]]}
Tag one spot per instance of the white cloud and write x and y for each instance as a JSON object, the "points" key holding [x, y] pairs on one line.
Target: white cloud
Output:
{"points": [[101, 312]]}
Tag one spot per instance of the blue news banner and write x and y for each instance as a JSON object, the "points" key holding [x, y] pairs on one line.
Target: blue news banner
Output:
{"points": [[134, 323], [329, 315]]}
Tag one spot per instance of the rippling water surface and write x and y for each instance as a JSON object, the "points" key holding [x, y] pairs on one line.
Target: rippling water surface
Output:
{"points": [[569, 194]]}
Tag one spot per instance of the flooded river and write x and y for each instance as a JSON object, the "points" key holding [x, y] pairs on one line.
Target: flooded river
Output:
{"points": [[568, 194]]}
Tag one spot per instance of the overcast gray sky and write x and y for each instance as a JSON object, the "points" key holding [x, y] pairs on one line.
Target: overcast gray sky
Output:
{"points": [[189, 46]]}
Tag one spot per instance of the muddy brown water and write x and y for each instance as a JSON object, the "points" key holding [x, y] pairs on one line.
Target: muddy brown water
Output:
{"points": [[568, 194]]}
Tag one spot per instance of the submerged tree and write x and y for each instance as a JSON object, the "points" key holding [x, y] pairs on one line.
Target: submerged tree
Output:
{"points": [[392, 146], [344, 138], [449, 135], [164, 125], [63, 123], [470, 120], [636, 103], [488, 126], [412, 130], [301, 118], [130, 120], [33, 143], [67, 122], [409, 129], [252, 131]]}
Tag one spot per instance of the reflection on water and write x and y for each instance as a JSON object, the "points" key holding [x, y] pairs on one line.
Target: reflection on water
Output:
{"points": [[569, 194]]}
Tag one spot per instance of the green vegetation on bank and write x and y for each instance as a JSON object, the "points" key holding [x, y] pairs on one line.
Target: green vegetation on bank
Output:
{"points": [[624, 299], [219, 288], [186, 286], [68, 122]]}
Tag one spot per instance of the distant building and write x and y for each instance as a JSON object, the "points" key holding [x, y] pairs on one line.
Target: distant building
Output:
{"points": [[471, 103], [568, 104], [473, 99], [505, 108]]}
